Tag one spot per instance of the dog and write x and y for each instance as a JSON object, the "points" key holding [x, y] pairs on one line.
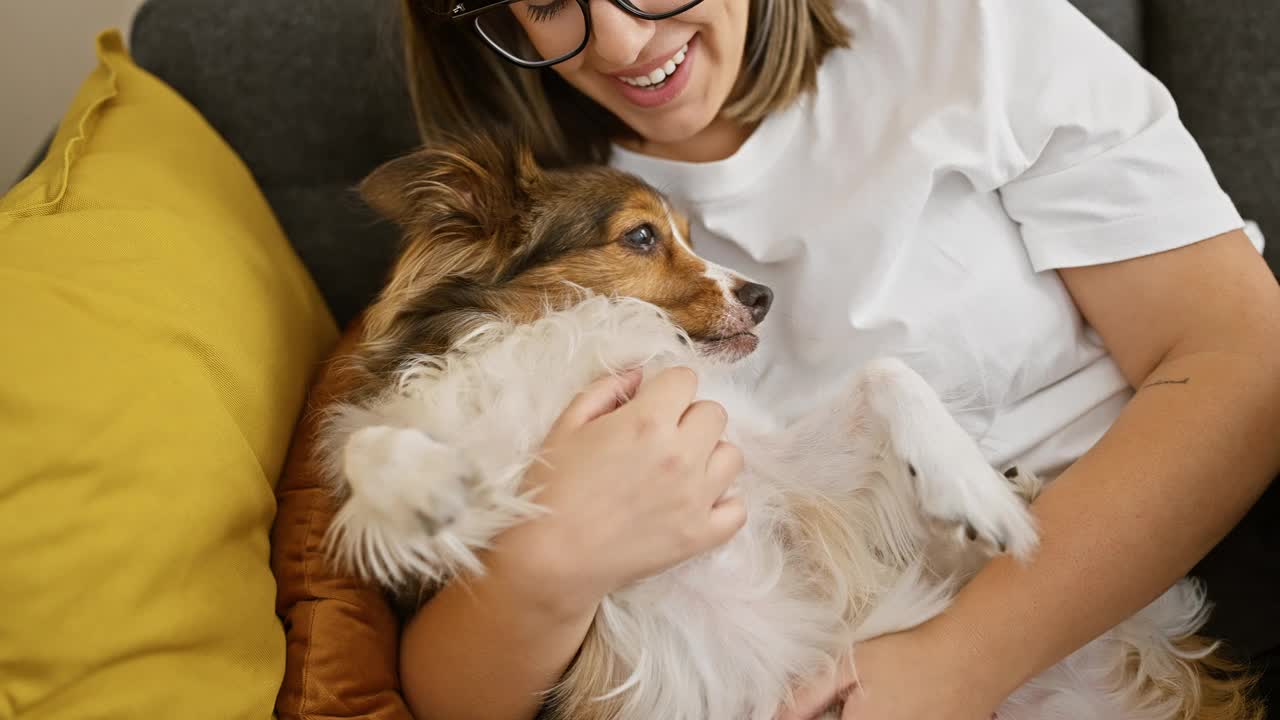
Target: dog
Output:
{"points": [[516, 286]]}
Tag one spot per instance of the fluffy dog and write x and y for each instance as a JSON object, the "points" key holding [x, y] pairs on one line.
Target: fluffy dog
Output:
{"points": [[516, 287]]}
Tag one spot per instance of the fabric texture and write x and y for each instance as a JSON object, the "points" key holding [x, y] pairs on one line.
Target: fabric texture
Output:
{"points": [[160, 335], [342, 634], [1025, 151]]}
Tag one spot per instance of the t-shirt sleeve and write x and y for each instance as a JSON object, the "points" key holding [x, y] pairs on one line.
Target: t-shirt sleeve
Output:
{"points": [[1103, 167]]}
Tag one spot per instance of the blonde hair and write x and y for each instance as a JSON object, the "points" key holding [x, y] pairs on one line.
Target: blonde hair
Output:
{"points": [[459, 84]]}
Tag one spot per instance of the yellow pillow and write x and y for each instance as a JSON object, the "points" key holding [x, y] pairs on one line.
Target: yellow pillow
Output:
{"points": [[158, 335]]}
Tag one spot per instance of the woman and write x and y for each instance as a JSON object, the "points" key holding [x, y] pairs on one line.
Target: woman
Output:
{"points": [[991, 189]]}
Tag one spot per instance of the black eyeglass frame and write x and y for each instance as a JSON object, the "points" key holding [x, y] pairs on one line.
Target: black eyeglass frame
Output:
{"points": [[461, 12]]}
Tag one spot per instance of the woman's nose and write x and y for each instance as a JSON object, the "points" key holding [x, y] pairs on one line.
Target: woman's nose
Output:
{"points": [[617, 37]]}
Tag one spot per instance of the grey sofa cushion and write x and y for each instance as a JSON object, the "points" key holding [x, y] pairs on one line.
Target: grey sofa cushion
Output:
{"points": [[312, 98], [1221, 60]]}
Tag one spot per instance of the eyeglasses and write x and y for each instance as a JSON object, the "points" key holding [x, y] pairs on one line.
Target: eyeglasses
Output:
{"points": [[541, 33]]}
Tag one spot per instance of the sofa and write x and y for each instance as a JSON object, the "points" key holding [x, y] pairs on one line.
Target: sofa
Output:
{"points": [[311, 97]]}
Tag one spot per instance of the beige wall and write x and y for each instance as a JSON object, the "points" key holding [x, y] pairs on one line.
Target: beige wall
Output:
{"points": [[46, 50]]}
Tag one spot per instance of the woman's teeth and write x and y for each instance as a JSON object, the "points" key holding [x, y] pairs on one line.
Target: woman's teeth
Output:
{"points": [[658, 75]]}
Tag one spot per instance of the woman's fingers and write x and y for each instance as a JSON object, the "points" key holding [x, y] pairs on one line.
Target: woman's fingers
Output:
{"points": [[666, 397], [726, 519], [599, 398], [702, 426], [723, 467]]}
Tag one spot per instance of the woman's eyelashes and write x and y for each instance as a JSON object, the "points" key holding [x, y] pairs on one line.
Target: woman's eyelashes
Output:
{"points": [[546, 11]]}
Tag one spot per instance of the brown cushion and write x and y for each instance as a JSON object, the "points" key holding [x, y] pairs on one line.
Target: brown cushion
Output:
{"points": [[342, 635]]}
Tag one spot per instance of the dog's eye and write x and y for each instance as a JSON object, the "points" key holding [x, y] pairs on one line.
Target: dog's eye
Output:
{"points": [[642, 238]]}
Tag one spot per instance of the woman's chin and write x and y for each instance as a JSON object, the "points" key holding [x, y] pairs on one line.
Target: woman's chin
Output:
{"points": [[653, 135], [669, 135]]}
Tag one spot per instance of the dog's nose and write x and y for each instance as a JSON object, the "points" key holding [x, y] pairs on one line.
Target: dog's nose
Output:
{"points": [[757, 298]]}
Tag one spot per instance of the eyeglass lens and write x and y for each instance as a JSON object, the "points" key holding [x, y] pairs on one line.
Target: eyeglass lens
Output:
{"points": [[546, 30]]}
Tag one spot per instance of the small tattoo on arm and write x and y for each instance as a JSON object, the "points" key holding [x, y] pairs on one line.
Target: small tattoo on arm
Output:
{"points": [[1183, 381]]}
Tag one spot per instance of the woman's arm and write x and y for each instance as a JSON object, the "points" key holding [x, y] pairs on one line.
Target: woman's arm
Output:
{"points": [[488, 649], [1197, 331]]}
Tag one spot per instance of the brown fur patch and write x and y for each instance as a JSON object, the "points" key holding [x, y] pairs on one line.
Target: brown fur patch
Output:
{"points": [[670, 276], [1212, 688], [1227, 688]]}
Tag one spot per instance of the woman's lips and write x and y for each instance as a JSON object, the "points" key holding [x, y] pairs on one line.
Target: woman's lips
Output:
{"points": [[671, 86]]}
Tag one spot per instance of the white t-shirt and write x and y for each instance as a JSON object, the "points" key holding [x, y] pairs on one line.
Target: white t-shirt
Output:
{"points": [[955, 155]]}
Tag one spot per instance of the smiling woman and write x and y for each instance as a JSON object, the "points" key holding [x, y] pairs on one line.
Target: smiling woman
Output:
{"points": [[644, 89], [640, 88]]}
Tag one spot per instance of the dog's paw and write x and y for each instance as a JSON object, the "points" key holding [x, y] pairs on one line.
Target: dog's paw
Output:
{"points": [[1026, 484], [953, 481], [978, 505], [409, 478]]}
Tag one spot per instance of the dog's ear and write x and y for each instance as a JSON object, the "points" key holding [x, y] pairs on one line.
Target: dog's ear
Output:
{"points": [[481, 180]]}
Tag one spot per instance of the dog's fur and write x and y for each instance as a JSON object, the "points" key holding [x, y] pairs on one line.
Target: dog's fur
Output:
{"points": [[517, 287]]}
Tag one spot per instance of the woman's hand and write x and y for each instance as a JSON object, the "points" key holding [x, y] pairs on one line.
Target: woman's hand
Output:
{"points": [[635, 483], [911, 675]]}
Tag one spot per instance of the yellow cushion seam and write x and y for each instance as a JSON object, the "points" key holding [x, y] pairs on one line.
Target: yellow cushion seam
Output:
{"points": [[109, 44]]}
